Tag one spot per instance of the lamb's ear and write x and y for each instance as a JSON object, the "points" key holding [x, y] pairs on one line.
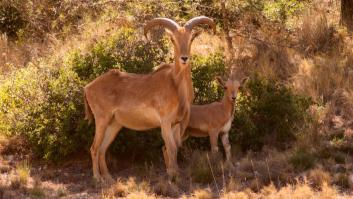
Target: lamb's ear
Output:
{"points": [[243, 81], [221, 81]]}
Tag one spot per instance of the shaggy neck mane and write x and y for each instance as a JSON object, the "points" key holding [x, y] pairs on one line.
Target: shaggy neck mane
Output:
{"points": [[182, 79]]}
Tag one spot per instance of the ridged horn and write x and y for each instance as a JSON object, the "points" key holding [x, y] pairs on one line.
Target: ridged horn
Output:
{"points": [[164, 22], [200, 20]]}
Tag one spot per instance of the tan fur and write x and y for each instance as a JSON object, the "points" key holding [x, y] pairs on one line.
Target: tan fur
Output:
{"points": [[143, 101], [215, 118]]}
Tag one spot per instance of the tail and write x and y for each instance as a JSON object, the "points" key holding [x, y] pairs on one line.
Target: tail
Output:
{"points": [[88, 111]]}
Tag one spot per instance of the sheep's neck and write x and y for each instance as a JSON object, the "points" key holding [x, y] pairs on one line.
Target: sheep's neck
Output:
{"points": [[228, 104]]}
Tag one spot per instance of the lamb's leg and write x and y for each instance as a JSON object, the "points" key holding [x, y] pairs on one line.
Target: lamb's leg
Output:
{"points": [[214, 141], [226, 145]]}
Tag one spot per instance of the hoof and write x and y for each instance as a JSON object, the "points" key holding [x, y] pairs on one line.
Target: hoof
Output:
{"points": [[172, 174], [229, 165], [97, 178], [108, 179]]}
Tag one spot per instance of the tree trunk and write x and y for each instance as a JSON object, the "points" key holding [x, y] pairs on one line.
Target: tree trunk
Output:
{"points": [[347, 13], [228, 38]]}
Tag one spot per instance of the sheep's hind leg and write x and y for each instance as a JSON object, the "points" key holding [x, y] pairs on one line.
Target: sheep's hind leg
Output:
{"points": [[109, 136]]}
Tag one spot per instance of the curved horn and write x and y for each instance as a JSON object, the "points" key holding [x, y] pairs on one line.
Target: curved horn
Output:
{"points": [[200, 20], [165, 22]]}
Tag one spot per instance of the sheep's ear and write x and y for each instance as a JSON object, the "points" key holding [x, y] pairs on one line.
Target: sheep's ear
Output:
{"points": [[221, 81]]}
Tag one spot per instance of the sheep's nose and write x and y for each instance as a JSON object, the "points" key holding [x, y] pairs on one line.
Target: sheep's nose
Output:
{"points": [[184, 58]]}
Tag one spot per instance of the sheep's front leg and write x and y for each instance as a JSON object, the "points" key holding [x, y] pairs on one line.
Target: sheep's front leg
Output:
{"points": [[170, 149]]}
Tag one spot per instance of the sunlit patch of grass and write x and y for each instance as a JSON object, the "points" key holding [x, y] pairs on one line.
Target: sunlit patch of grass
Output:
{"points": [[318, 177], [21, 175], [298, 191], [23, 170], [201, 194], [61, 192], [37, 192], [129, 188]]}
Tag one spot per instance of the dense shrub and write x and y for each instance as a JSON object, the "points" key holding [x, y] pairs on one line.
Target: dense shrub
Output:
{"points": [[281, 10], [302, 159], [268, 113], [204, 71], [317, 35], [43, 104], [124, 49]]}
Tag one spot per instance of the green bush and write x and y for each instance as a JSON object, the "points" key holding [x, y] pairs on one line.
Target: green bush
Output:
{"points": [[281, 10], [204, 71], [302, 160], [268, 113], [124, 49], [44, 105]]}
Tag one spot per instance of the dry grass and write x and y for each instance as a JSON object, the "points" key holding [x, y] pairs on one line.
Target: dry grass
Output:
{"points": [[206, 44], [316, 35], [200, 194], [318, 177], [12, 55], [272, 60], [129, 188], [204, 167], [21, 176], [37, 191], [166, 188], [23, 171], [299, 191], [257, 170], [321, 76]]}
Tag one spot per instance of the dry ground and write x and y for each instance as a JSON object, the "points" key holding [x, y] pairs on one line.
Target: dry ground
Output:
{"points": [[264, 175]]}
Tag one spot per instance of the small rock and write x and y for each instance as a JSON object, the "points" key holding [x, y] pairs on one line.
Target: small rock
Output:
{"points": [[4, 168], [338, 168], [337, 122], [348, 133], [350, 178], [10, 158]]}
